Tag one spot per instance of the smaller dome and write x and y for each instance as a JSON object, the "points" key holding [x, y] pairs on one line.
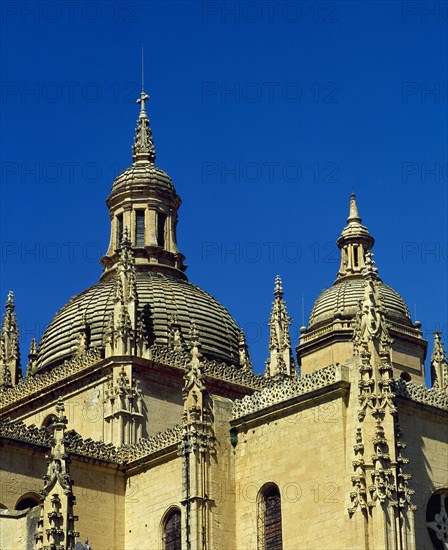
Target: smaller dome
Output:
{"points": [[342, 300], [142, 175]]}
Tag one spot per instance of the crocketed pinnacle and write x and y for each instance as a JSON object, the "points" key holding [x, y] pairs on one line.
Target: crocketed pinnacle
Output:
{"points": [[55, 527], [280, 361], [278, 288], [439, 364], [143, 150], [10, 340], [243, 351]]}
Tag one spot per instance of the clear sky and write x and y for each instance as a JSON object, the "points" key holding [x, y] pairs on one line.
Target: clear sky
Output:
{"points": [[265, 114]]}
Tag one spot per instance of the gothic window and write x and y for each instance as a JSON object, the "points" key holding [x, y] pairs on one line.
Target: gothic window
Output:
{"points": [[172, 531], [139, 228], [269, 519], [161, 219], [437, 519], [28, 500]]}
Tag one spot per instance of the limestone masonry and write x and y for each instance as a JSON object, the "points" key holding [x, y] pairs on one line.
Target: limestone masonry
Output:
{"points": [[139, 422]]}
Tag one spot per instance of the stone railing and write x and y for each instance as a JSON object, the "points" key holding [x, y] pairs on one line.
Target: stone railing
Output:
{"points": [[90, 448], [287, 388], [318, 333], [39, 382], [161, 354], [221, 371], [421, 394], [235, 375], [19, 431], [152, 444]]}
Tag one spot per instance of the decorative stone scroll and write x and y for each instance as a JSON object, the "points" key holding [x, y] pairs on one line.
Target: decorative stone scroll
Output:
{"points": [[286, 388]]}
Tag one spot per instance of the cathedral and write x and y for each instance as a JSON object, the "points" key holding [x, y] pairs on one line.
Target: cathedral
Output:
{"points": [[138, 421]]}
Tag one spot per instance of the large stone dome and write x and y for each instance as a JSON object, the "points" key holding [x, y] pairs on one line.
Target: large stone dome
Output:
{"points": [[342, 301], [160, 297], [143, 293]]}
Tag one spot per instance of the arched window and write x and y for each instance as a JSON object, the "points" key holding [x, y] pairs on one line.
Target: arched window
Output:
{"points": [[48, 421], [172, 535], [28, 500], [437, 519], [269, 518]]}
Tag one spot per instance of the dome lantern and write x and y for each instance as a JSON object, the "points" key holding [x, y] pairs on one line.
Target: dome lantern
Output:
{"points": [[143, 198], [354, 243]]}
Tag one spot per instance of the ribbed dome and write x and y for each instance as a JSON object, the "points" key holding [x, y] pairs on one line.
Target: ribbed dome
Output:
{"points": [[160, 297], [342, 300], [142, 175]]}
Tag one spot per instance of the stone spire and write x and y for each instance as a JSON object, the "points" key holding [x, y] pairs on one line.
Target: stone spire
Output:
{"points": [[355, 241], [379, 464], [123, 333], [32, 358], [10, 353], [143, 150], [175, 338], [280, 361], [197, 446], [371, 338], [243, 351], [439, 364], [55, 528]]}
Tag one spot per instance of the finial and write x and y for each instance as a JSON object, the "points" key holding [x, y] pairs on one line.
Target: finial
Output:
{"points": [[125, 240], [33, 347], [143, 149], [60, 409], [194, 334], [10, 300], [438, 354], [278, 288], [245, 362], [370, 271], [354, 215]]}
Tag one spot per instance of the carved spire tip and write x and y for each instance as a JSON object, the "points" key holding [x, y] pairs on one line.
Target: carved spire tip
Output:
{"points": [[354, 216], [10, 300], [143, 149], [278, 287]]}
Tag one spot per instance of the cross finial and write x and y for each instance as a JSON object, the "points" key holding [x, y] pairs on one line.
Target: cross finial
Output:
{"points": [[143, 97], [143, 149]]}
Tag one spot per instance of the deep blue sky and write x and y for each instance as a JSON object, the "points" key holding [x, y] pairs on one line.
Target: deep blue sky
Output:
{"points": [[265, 117]]}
